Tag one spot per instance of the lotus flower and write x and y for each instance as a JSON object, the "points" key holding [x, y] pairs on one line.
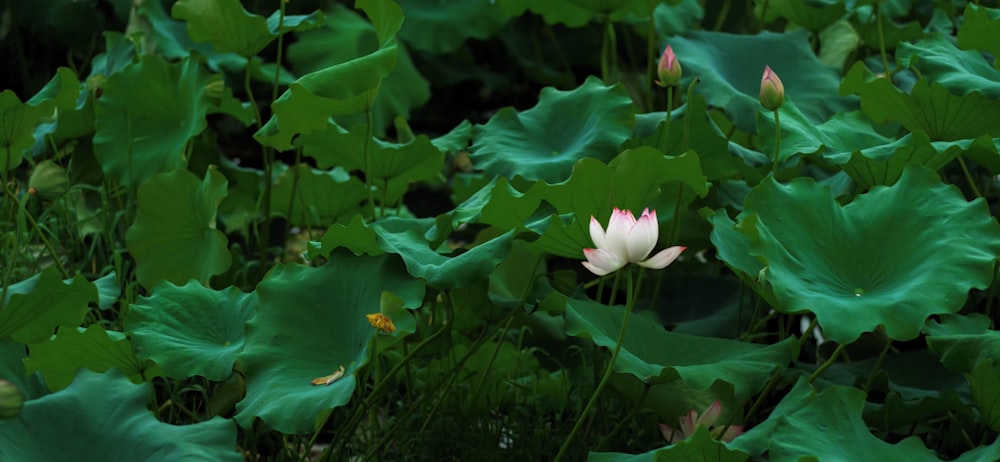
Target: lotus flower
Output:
{"points": [[692, 421], [627, 240], [772, 91], [669, 69]]}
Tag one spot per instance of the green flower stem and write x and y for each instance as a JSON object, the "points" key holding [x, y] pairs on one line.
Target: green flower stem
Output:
{"points": [[629, 303], [650, 53], [777, 142], [628, 418], [805, 335], [723, 14], [367, 154], [878, 362], [41, 234], [263, 228], [664, 137], [968, 176], [608, 47], [829, 362], [763, 15], [344, 433], [506, 327], [991, 294], [687, 114], [757, 403], [881, 40], [277, 60]]}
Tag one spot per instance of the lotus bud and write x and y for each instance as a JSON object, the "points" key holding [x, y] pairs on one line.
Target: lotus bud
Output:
{"points": [[772, 91], [48, 180], [669, 69], [11, 400]]}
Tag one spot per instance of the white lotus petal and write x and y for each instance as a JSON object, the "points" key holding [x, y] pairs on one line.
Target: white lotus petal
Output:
{"points": [[616, 239], [601, 261], [597, 233], [643, 236], [663, 258]]}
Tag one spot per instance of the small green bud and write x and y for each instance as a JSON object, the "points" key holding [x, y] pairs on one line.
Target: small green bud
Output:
{"points": [[48, 180], [11, 400]]}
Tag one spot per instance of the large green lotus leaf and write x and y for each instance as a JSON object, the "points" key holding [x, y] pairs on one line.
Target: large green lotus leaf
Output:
{"points": [[814, 15], [347, 84], [174, 236], [838, 262], [929, 107], [146, 116], [92, 348], [980, 30], [843, 133], [103, 417], [830, 427], [441, 27], [346, 37], [962, 342], [225, 24], [406, 237], [655, 355], [961, 72], [389, 165], [543, 143], [700, 447], [884, 164], [19, 120], [36, 306], [309, 197], [309, 323], [730, 67], [191, 330]]}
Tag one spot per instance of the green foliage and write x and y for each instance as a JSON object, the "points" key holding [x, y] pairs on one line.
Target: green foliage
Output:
{"points": [[655, 355], [174, 237], [543, 143], [92, 348], [191, 330], [98, 412], [33, 308], [309, 323], [356, 232], [147, 113], [828, 259]]}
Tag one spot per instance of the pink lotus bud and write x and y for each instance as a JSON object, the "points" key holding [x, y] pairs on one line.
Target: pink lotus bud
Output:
{"points": [[669, 69], [772, 91]]}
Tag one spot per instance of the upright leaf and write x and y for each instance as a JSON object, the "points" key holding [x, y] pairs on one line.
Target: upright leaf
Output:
{"points": [[174, 236], [146, 115]]}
